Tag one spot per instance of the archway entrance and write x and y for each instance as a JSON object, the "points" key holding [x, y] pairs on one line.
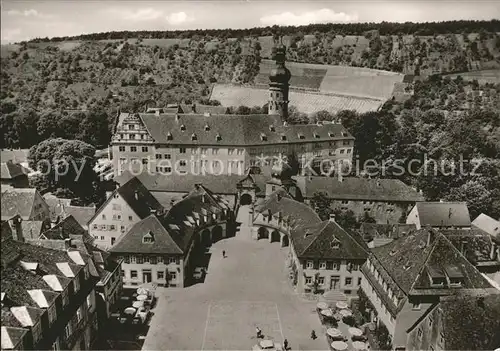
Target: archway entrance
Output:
{"points": [[246, 199], [263, 233], [275, 236], [217, 233], [205, 237], [285, 241]]}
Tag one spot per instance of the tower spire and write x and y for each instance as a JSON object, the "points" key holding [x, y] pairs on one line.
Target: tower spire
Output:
{"points": [[278, 86]]}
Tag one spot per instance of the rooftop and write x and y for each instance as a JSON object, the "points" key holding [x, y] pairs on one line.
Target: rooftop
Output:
{"points": [[326, 240], [235, 130], [372, 231], [488, 224], [351, 188], [443, 214], [11, 170], [18, 201]]}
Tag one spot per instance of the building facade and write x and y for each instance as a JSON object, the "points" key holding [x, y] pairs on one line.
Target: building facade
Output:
{"points": [[25, 202], [163, 248], [388, 201], [126, 206]]}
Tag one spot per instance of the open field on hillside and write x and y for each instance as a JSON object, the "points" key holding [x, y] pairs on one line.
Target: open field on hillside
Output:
{"points": [[486, 76], [308, 102], [344, 80]]}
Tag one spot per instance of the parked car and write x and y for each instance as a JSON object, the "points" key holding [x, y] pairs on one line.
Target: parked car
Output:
{"points": [[199, 273]]}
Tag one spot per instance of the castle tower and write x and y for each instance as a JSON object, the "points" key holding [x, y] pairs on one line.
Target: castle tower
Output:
{"points": [[278, 87]]}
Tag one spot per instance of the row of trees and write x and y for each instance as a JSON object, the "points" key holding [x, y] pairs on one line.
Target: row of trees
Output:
{"points": [[385, 28], [26, 127]]}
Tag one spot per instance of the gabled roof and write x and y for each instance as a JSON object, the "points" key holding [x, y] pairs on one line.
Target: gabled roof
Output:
{"points": [[184, 183], [82, 214], [171, 234], [56, 205], [62, 230], [132, 241], [18, 201], [297, 213], [11, 170], [351, 188], [315, 241], [488, 224], [235, 130], [471, 322], [137, 196], [408, 260], [443, 214]]}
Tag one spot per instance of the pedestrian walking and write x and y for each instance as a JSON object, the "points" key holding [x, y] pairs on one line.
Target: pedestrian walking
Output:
{"points": [[223, 253], [313, 335], [259, 332], [285, 344]]}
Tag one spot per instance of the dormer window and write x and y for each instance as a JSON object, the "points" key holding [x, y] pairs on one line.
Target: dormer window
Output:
{"points": [[169, 136], [218, 137], [344, 134], [263, 137], [335, 244], [194, 137], [316, 135], [207, 127], [271, 128], [183, 127], [283, 137], [148, 238], [301, 136], [331, 135]]}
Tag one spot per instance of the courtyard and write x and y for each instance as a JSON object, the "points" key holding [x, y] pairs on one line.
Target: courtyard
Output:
{"points": [[246, 289]]}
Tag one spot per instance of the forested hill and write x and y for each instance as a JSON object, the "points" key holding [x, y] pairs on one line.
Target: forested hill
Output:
{"points": [[74, 87], [385, 28]]}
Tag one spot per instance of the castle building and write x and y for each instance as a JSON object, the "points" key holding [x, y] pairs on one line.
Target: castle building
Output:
{"points": [[195, 143]]}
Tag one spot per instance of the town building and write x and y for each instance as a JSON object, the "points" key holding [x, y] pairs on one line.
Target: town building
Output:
{"points": [[386, 200], [125, 207], [322, 255], [439, 215], [162, 248], [25, 202], [48, 297], [462, 322], [326, 257], [405, 279], [488, 224], [13, 174], [219, 143]]}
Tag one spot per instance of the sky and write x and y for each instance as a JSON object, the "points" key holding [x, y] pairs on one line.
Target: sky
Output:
{"points": [[27, 19]]}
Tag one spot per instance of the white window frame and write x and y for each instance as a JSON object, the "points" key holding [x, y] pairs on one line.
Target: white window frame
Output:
{"points": [[322, 264], [309, 264]]}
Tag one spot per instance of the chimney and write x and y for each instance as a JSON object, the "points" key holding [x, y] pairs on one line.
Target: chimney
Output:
{"points": [[108, 194], [463, 246], [18, 229], [441, 200], [177, 118], [285, 124], [332, 217], [136, 195], [153, 211], [193, 107]]}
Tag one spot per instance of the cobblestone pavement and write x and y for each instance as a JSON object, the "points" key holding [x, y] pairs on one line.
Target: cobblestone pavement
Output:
{"points": [[246, 289]]}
